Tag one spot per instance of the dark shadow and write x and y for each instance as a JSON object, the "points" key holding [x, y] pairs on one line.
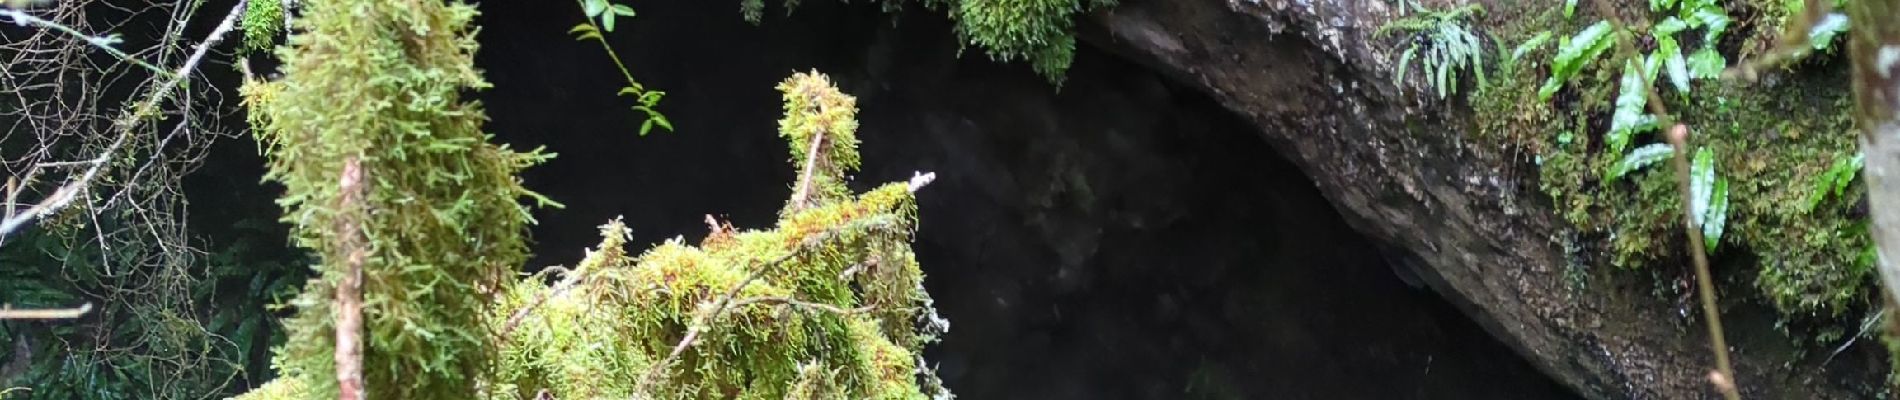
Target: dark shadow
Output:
{"points": [[1119, 238]]}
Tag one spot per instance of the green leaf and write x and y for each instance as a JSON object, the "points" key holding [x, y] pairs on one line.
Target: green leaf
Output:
{"points": [[1668, 28], [1578, 51], [594, 7], [621, 10], [1706, 63], [1714, 20], [651, 97], [1674, 64], [1639, 158], [1834, 181], [1717, 218], [662, 121], [1405, 62], [628, 91], [607, 22], [1652, 66], [584, 32], [1570, 8], [1848, 169], [1629, 118], [1822, 34], [1530, 45], [1701, 183], [1549, 88]]}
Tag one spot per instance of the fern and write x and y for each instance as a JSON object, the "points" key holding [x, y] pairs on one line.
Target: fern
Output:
{"points": [[1708, 197], [1575, 52], [1630, 118], [1835, 180], [1639, 158], [1447, 45]]}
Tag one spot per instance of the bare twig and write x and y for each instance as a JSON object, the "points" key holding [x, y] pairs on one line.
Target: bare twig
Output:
{"points": [[8, 312], [1724, 375], [64, 195], [105, 43], [1723, 378], [803, 196], [801, 303], [349, 292]]}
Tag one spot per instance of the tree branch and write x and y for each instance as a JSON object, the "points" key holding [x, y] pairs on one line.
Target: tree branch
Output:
{"points": [[65, 194], [8, 312], [349, 292]]}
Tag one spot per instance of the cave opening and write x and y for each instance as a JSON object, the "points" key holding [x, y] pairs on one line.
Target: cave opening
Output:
{"points": [[1118, 237]]}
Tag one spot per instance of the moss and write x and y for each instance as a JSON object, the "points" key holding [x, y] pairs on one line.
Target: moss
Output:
{"points": [[1041, 32], [263, 21], [831, 313], [1773, 142], [378, 85], [829, 304]]}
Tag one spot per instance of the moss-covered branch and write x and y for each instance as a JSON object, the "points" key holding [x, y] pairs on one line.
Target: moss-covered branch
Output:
{"points": [[830, 304]]}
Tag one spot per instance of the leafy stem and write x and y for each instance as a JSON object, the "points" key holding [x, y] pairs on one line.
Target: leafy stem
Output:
{"points": [[600, 18]]}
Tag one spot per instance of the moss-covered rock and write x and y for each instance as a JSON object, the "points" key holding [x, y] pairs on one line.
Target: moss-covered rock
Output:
{"points": [[1775, 143]]}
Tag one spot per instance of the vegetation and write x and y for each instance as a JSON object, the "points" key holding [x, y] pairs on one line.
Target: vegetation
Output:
{"points": [[1448, 46], [404, 199], [1041, 32], [600, 17], [1760, 150]]}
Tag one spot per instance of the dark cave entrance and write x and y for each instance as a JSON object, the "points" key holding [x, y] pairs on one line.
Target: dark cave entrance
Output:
{"points": [[1120, 238]]}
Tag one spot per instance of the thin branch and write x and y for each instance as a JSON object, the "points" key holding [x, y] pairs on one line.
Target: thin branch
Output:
{"points": [[64, 195], [800, 199], [801, 303], [21, 18], [1723, 378], [349, 292], [10, 313]]}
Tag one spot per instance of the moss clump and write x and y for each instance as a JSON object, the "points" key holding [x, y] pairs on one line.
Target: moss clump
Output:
{"points": [[263, 21], [1041, 32], [378, 85], [1774, 143], [828, 304]]}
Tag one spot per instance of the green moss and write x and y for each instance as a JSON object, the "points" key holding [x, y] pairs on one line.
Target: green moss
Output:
{"points": [[1773, 143], [263, 21], [831, 312], [829, 304], [379, 84], [1041, 32]]}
